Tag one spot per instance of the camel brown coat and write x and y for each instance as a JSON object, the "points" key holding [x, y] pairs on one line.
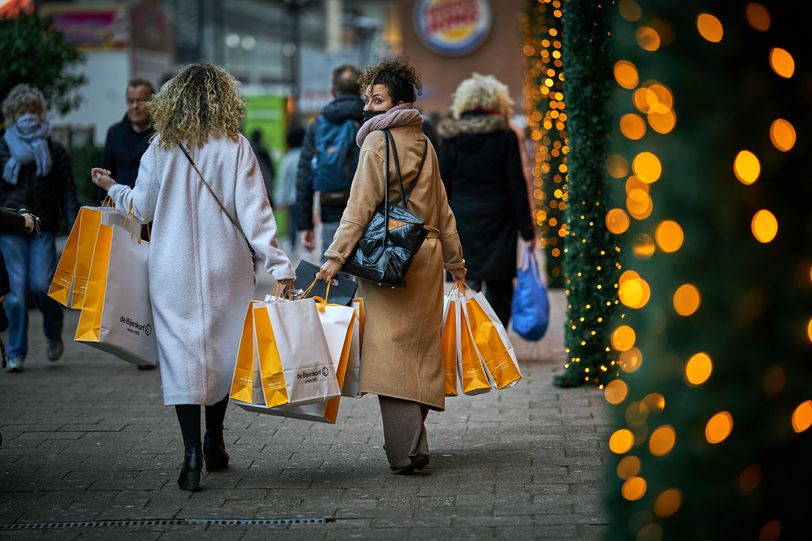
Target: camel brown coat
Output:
{"points": [[400, 356]]}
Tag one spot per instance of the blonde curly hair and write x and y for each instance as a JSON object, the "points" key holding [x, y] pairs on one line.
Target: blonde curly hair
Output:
{"points": [[482, 93], [201, 101]]}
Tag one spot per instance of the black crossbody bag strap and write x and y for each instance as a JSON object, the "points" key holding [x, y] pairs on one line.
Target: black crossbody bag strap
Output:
{"points": [[404, 195], [206, 184]]}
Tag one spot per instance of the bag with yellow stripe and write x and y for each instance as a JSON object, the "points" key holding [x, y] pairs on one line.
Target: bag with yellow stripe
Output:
{"points": [[69, 283], [116, 312], [283, 357]]}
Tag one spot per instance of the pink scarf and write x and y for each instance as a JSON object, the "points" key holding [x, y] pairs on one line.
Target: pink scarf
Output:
{"points": [[400, 115]]}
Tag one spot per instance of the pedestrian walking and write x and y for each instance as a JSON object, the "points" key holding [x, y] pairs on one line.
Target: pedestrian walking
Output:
{"points": [[284, 195], [401, 359], [481, 166], [329, 158], [36, 176], [264, 160], [127, 141], [201, 186]]}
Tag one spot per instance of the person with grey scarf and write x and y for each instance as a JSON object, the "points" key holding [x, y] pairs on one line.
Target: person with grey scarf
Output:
{"points": [[35, 175]]}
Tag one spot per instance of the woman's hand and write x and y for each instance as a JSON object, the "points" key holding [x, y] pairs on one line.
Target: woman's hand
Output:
{"points": [[329, 270], [29, 223], [458, 274], [101, 178], [288, 283]]}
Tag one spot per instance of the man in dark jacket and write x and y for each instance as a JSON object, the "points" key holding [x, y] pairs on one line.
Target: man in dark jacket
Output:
{"points": [[347, 106], [127, 141], [36, 175]]}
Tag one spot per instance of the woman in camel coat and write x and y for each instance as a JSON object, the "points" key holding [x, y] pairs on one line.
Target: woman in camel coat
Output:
{"points": [[401, 360]]}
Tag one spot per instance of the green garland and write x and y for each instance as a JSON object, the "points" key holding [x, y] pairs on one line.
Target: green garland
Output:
{"points": [[547, 122], [683, 476], [591, 254]]}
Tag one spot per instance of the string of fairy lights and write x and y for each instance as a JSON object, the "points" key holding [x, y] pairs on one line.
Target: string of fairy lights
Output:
{"points": [[547, 120], [653, 109]]}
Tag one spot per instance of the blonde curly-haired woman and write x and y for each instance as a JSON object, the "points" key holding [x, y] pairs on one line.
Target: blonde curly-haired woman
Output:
{"points": [[481, 166], [200, 185]]}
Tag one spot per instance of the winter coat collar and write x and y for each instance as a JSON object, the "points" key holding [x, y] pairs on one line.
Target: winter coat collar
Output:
{"points": [[472, 123]]}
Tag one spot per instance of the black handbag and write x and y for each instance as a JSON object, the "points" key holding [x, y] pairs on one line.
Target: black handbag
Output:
{"points": [[389, 243]]}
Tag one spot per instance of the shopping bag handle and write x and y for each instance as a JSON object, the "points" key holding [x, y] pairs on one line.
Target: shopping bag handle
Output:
{"points": [[108, 202]]}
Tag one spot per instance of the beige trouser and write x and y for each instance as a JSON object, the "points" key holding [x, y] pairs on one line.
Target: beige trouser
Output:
{"points": [[404, 433]]}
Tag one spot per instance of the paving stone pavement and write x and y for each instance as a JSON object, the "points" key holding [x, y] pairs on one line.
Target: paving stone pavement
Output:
{"points": [[88, 439]]}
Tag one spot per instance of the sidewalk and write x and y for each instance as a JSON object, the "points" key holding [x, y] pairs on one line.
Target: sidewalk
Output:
{"points": [[87, 439]]}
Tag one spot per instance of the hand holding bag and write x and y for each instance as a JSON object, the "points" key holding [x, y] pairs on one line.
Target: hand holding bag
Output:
{"points": [[389, 243]]}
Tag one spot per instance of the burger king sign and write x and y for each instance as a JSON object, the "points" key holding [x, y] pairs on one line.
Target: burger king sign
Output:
{"points": [[452, 27]]}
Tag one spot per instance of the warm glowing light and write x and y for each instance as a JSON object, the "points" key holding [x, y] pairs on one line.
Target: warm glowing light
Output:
{"points": [[633, 488], [709, 27], [782, 62], [629, 466], [758, 16], [669, 236], [617, 165], [662, 440], [639, 204], [770, 531], [621, 441], [616, 391], [647, 38], [747, 167], [802, 417], [668, 502], [686, 300], [641, 99], [662, 122], [631, 360], [782, 135], [630, 10], [719, 427], [632, 126], [764, 226], [634, 293], [623, 338], [626, 74], [809, 330], [698, 369], [617, 221], [634, 183], [647, 167], [644, 247], [660, 99], [750, 478]]}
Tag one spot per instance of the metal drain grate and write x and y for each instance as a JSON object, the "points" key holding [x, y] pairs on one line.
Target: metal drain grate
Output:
{"points": [[166, 522]]}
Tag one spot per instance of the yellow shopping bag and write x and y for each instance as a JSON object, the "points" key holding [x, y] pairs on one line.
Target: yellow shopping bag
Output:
{"points": [[473, 375], [242, 382], [270, 365], [62, 282], [358, 304], [448, 344], [492, 345]]}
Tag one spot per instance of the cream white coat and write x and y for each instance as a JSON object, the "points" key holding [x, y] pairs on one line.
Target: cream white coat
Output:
{"points": [[201, 275]]}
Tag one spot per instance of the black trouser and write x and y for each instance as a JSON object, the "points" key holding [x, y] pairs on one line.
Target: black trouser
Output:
{"points": [[499, 294], [189, 419]]}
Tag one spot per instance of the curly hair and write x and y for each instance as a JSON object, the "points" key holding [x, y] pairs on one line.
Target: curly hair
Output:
{"points": [[201, 101], [398, 75], [21, 97], [482, 93]]}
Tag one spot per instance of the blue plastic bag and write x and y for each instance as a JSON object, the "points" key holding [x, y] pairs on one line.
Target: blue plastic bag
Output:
{"points": [[530, 312]]}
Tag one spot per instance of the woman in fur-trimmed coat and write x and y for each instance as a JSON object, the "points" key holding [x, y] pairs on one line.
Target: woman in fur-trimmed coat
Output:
{"points": [[481, 167]]}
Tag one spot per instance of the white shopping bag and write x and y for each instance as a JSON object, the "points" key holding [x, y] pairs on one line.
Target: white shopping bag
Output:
{"points": [[116, 312]]}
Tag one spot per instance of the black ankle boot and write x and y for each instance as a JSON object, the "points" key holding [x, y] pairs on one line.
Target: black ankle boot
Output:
{"points": [[214, 451], [190, 472]]}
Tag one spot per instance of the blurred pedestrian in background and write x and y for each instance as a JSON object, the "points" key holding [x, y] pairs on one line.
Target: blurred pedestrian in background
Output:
{"points": [[201, 185], [401, 360], [127, 141], [329, 158], [36, 175], [284, 195], [481, 166], [265, 161]]}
